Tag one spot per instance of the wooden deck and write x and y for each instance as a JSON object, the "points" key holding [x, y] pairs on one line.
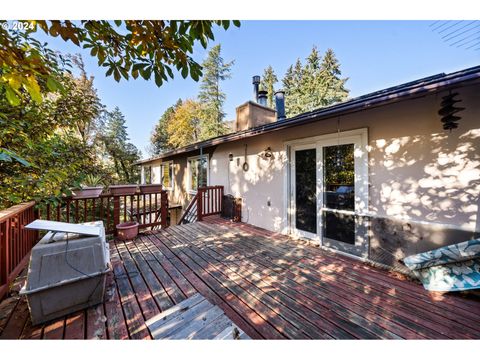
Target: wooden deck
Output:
{"points": [[269, 285]]}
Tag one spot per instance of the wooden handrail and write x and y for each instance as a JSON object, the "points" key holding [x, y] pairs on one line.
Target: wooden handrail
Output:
{"points": [[188, 209], [148, 209], [208, 201], [16, 242]]}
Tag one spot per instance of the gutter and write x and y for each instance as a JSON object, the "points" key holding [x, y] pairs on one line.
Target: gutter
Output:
{"points": [[354, 105]]}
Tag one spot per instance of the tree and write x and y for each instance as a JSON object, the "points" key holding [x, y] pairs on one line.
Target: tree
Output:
{"points": [[269, 79], [80, 105], [292, 84], [159, 138], [184, 126], [44, 142], [118, 149], [125, 48], [215, 70], [334, 86], [313, 85]]}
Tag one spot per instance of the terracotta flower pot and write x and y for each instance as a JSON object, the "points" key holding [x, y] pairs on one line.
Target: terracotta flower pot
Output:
{"points": [[116, 190], [127, 230], [87, 192], [150, 188]]}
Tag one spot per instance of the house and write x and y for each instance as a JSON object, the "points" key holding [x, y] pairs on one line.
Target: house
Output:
{"points": [[376, 177]]}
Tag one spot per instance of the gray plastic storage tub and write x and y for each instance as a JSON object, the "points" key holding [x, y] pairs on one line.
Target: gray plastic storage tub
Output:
{"points": [[66, 273]]}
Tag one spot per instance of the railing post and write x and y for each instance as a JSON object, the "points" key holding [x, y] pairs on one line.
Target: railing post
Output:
{"points": [[221, 200], [199, 204], [116, 213], [4, 238], [163, 209]]}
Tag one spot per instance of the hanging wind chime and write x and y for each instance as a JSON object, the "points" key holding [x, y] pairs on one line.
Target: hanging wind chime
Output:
{"points": [[448, 111]]}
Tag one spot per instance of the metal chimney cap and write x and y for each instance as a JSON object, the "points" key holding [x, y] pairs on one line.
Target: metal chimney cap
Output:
{"points": [[262, 93], [281, 91], [256, 79]]}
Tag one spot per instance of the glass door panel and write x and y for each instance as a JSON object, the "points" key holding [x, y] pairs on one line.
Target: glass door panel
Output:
{"points": [[306, 190], [338, 217]]}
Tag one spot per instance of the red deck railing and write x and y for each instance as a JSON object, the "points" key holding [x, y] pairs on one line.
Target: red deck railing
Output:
{"points": [[149, 210], [15, 242], [207, 201]]}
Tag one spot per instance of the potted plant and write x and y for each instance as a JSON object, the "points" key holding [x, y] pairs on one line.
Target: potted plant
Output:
{"points": [[150, 188], [117, 190], [127, 230], [91, 188]]}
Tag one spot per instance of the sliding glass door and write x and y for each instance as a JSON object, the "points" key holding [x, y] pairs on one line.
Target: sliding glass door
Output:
{"points": [[304, 190], [329, 191]]}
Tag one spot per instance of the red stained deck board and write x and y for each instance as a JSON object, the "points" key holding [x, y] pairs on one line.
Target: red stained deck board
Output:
{"points": [[268, 284]]}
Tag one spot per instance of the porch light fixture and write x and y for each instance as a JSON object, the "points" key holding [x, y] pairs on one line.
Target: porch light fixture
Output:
{"points": [[448, 111], [230, 157], [268, 153]]}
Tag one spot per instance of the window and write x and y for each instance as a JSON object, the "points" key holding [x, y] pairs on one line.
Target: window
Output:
{"points": [[148, 174], [197, 172], [166, 174]]}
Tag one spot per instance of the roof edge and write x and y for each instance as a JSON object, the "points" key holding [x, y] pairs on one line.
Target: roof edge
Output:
{"points": [[377, 98]]}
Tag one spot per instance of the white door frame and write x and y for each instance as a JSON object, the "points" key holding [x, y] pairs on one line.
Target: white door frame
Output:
{"points": [[359, 138], [292, 199]]}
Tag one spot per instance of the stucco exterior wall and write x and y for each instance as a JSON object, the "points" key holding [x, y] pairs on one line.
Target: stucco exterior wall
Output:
{"points": [[418, 173], [424, 182]]}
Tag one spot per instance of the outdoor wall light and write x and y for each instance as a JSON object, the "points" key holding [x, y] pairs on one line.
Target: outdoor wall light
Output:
{"points": [[268, 153], [230, 157]]}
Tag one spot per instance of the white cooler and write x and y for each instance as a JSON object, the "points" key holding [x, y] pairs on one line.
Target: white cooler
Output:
{"points": [[67, 270]]}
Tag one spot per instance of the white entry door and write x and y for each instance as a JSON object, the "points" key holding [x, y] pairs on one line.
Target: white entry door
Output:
{"points": [[329, 190]]}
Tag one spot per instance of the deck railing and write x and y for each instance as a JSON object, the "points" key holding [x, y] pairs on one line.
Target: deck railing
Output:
{"points": [[15, 242], [207, 201], [149, 210]]}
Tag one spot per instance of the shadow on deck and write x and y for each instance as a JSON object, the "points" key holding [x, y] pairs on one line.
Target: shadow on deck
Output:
{"points": [[269, 285]]}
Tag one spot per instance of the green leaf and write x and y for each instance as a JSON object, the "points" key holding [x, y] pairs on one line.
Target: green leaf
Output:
{"points": [[158, 79], [118, 22], [184, 72], [7, 155], [169, 70], [116, 75], [53, 85], [12, 98]]}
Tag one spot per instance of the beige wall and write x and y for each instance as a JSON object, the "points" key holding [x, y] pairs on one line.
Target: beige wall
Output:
{"points": [[417, 171]]}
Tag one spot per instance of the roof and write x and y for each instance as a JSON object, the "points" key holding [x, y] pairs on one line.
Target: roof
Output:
{"points": [[401, 92]]}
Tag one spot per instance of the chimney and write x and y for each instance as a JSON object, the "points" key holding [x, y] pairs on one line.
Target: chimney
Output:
{"points": [[280, 104], [256, 84], [262, 97]]}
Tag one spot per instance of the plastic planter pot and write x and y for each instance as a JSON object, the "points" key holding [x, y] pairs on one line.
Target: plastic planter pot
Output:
{"points": [[87, 192], [116, 190], [150, 188], [127, 230]]}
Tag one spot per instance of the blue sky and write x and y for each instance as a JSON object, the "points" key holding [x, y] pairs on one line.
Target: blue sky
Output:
{"points": [[373, 54]]}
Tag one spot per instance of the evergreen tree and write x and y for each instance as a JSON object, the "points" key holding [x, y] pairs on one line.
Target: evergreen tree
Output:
{"points": [[292, 84], [269, 79], [313, 85], [118, 149], [334, 86], [159, 138], [215, 70]]}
